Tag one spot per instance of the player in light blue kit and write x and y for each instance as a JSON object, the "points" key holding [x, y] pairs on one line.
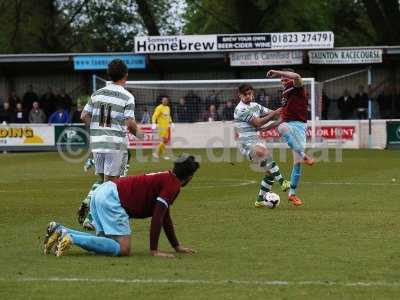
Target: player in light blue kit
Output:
{"points": [[292, 125]]}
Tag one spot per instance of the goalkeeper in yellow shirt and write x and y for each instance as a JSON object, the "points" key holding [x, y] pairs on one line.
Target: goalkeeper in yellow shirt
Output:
{"points": [[162, 120]]}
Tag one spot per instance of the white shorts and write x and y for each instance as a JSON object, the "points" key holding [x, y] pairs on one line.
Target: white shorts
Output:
{"points": [[247, 149], [110, 164]]}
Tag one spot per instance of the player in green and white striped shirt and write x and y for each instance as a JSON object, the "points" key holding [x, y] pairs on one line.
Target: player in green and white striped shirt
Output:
{"points": [[249, 117], [110, 112]]}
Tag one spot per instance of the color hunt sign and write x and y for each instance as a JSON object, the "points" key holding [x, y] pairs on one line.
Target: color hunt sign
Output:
{"points": [[323, 132], [346, 136]]}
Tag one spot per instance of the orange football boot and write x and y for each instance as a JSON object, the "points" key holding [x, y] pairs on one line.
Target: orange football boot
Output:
{"points": [[308, 160], [295, 200]]}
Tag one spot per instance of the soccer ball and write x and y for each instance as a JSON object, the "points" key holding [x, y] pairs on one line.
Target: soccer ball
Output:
{"points": [[272, 200]]}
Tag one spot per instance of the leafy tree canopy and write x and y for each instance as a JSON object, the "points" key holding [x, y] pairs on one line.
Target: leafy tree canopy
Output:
{"points": [[105, 25]]}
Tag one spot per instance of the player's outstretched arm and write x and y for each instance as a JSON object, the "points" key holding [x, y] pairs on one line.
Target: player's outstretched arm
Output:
{"points": [[271, 125], [157, 221], [261, 121], [298, 81], [170, 233]]}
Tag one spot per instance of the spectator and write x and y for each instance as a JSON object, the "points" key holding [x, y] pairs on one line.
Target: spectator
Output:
{"points": [[326, 102], [391, 102], [262, 98], [29, 97], [193, 104], [381, 104], [6, 113], [269, 102], [145, 116], [182, 111], [361, 100], [211, 115], [13, 99], [212, 99], [346, 105], [375, 109], [76, 115], [64, 100], [59, 117], [274, 102], [397, 105], [48, 102], [19, 116], [37, 115], [227, 112]]}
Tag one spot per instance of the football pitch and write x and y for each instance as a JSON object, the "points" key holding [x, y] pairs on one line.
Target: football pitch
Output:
{"points": [[342, 244]]}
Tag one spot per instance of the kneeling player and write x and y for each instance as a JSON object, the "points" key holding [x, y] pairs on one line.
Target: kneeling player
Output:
{"points": [[115, 202], [292, 125], [249, 117]]}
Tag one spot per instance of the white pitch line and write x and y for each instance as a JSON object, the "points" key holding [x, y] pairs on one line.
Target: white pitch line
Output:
{"points": [[37, 190], [352, 183], [224, 183], [209, 282], [227, 184], [231, 184]]}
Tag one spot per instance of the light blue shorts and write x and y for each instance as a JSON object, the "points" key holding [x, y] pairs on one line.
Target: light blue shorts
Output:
{"points": [[109, 217], [298, 132]]}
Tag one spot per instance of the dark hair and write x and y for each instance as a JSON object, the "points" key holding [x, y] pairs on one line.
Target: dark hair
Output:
{"points": [[243, 88], [116, 70], [288, 70], [185, 166]]}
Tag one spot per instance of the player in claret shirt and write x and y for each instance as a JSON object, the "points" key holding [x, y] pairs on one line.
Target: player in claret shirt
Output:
{"points": [[292, 125], [115, 202]]}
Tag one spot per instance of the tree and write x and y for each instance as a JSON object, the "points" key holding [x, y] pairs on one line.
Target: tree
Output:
{"points": [[104, 25], [347, 19], [350, 23], [83, 25], [148, 17], [236, 16], [29, 26], [385, 18]]}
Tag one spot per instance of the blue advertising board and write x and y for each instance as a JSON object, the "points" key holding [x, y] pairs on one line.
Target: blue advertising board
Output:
{"points": [[100, 62]]}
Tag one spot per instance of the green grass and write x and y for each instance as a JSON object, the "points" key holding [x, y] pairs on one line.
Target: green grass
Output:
{"points": [[345, 234]]}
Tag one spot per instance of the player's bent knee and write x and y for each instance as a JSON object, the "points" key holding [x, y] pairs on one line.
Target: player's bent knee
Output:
{"points": [[260, 151], [124, 244], [283, 129], [125, 251], [297, 159]]}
